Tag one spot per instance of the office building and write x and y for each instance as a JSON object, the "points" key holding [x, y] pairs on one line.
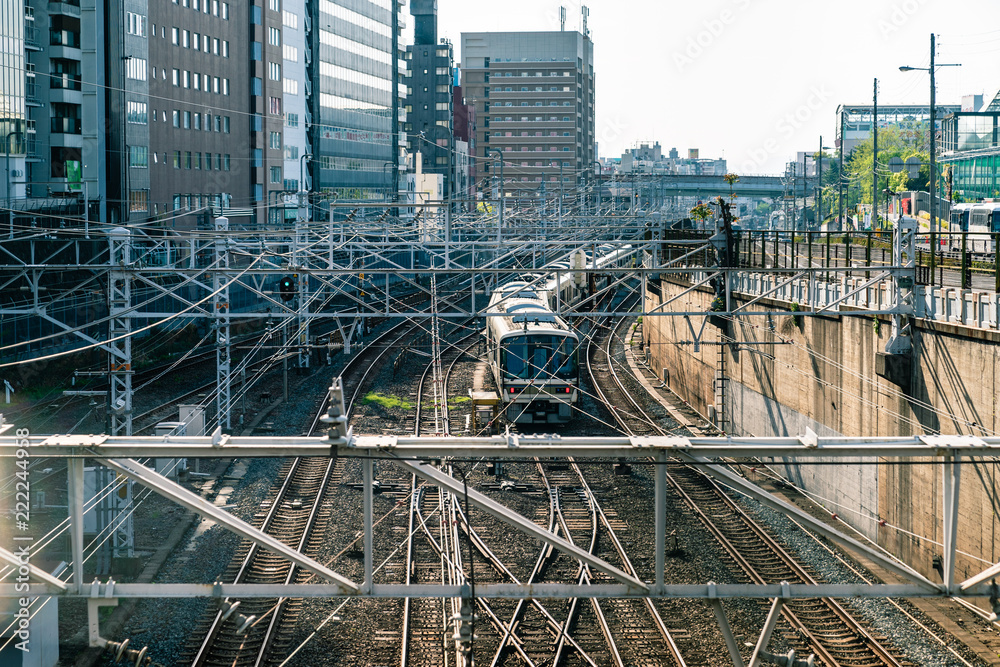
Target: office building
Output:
{"points": [[429, 112], [533, 94], [855, 122], [356, 73]]}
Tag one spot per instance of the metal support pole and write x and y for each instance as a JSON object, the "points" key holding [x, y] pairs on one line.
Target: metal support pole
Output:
{"points": [[659, 500], [74, 472], [932, 204], [118, 502], [220, 302], [727, 632], [952, 471], [368, 482], [765, 634]]}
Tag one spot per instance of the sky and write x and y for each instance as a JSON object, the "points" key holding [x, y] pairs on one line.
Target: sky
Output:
{"points": [[754, 81]]}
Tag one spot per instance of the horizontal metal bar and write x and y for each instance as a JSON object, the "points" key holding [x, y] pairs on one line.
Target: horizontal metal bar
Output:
{"points": [[517, 447], [503, 591]]}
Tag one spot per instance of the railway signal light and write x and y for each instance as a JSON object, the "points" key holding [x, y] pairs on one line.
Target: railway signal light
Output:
{"points": [[287, 288]]}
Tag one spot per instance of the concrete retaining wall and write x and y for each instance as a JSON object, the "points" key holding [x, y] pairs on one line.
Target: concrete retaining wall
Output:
{"points": [[821, 374]]}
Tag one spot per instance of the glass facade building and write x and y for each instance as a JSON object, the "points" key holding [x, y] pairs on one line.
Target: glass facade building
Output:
{"points": [[13, 27], [356, 95], [971, 159]]}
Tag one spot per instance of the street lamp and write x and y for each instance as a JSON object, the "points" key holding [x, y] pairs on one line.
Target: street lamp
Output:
{"points": [[819, 183], [933, 167]]}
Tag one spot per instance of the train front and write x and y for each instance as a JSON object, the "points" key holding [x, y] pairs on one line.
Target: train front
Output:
{"points": [[540, 371]]}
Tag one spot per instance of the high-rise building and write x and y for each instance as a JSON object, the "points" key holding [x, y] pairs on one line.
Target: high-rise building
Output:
{"points": [[356, 73], [198, 121], [19, 30], [85, 70], [297, 100], [429, 117], [533, 94]]}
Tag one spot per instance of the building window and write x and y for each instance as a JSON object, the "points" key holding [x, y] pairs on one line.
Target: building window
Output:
{"points": [[175, 36], [196, 80], [187, 159], [177, 118], [275, 174], [197, 121], [185, 39], [275, 5], [215, 85], [292, 120], [225, 162], [136, 113], [291, 152], [138, 156], [275, 140], [187, 120], [290, 87], [187, 79], [225, 125], [274, 71], [177, 77], [256, 17], [256, 51], [225, 11], [290, 53], [258, 158], [275, 106], [197, 160], [443, 71], [177, 159], [196, 41], [290, 20], [274, 36], [135, 68], [225, 86], [256, 86]]}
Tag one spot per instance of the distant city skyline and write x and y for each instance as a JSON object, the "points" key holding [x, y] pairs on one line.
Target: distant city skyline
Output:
{"points": [[754, 81]]}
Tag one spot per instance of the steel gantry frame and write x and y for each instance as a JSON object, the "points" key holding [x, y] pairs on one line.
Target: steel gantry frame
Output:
{"points": [[119, 453]]}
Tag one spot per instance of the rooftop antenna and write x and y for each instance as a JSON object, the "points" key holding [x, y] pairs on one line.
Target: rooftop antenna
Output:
{"points": [[562, 19], [585, 11]]}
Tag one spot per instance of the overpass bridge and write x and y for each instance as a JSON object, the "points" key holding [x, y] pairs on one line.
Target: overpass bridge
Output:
{"points": [[670, 185]]}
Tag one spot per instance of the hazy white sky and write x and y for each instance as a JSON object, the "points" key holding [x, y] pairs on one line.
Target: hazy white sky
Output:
{"points": [[754, 81]]}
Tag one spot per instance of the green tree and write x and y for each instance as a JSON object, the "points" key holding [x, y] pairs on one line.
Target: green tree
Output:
{"points": [[902, 143], [701, 213]]}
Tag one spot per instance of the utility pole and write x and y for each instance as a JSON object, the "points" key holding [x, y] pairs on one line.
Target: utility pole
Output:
{"points": [[840, 179], [931, 208], [819, 185], [875, 153]]}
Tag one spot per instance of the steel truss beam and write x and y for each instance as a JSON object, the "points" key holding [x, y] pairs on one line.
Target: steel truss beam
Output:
{"points": [[949, 452]]}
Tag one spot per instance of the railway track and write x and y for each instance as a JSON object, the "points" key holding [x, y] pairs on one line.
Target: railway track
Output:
{"points": [[257, 634], [821, 626]]}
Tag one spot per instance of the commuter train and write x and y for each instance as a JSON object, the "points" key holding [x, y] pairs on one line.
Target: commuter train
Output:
{"points": [[533, 352], [984, 221]]}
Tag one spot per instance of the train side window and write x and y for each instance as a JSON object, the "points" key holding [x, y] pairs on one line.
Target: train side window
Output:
{"points": [[996, 221]]}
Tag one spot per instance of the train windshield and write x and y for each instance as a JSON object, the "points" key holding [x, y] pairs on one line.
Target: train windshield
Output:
{"points": [[539, 357]]}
